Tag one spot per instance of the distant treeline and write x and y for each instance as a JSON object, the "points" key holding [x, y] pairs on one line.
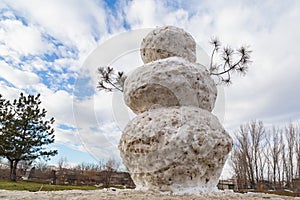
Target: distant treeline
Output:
{"points": [[103, 174], [266, 155]]}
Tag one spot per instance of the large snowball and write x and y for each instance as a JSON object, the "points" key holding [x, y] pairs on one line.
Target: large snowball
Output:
{"points": [[177, 149], [166, 42], [169, 82]]}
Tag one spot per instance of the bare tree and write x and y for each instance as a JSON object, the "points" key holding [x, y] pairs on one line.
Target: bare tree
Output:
{"points": [[273, 142], [101, 164], [257, 134], [290, 137], [267, 151], [41, 165], [62, 163], [262, 160], [239, 165], [24, 165], [281, 164], [297, 146], [247, 153], [111, 166], [272, 154], [242, 153]]}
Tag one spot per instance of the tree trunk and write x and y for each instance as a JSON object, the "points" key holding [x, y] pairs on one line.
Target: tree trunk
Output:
{"points": [[274, 174], [298, 165], [14, 165], [11, 164], [269, 172], [279, 173]]}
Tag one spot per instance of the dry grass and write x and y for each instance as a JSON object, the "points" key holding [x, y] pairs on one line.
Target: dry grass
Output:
{"points": [[280, 192], [33, 187]]}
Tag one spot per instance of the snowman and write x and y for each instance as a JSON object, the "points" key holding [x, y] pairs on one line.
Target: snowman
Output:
{"points": [[174, 144]]}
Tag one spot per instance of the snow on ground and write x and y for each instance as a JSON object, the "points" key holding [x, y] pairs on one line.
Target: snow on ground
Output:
{"points": [[131, 194]]}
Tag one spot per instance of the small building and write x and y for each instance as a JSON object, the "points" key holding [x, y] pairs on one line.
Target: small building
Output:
{"points": [[226, 184]]}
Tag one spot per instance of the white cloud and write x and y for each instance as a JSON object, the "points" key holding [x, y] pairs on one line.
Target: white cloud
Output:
{"points": [[154, 13], [70, 29], [20, 38], [73, 22], [17, 77], [269, 91], [179, 17], [143, 13], [57, 103], [66, 137], [7, 92]]}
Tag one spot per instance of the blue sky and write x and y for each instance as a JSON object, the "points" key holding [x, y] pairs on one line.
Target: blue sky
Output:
{"points": [[46, 47]]}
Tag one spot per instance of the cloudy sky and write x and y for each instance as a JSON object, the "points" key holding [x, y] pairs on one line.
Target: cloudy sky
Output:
{"points": [[54, 47]]}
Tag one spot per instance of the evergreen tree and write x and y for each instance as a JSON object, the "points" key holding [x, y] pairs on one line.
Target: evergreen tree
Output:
{"points": [[24, 132]]}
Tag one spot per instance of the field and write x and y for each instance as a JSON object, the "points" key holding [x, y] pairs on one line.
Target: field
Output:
{"points": [[33, 187]]}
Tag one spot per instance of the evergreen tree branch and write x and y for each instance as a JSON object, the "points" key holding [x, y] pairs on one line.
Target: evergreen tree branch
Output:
{"points": [[231, 61], [109, 80]]}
